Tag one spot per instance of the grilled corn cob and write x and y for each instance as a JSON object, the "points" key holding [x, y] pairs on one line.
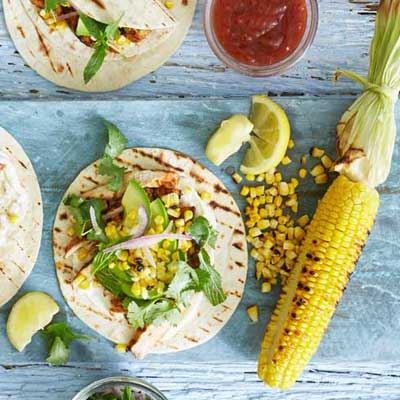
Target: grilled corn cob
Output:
{"points": [[328, 254]]}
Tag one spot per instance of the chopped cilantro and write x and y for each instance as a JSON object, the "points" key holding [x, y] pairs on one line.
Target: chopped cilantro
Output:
{"points": [[60, 336], [203, 233]]}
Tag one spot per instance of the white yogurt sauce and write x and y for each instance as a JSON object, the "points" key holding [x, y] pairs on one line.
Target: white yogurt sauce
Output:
{"points": [[13, 199]]}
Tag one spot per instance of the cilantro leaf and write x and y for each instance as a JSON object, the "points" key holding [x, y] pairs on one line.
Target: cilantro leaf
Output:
{"points": [[210, 280], [107, 167], [95, 61], [203, 233], [180, 287], [155, 311], [79, 209], [59, 352], [116, 140], [50, 5], [61, 337]]}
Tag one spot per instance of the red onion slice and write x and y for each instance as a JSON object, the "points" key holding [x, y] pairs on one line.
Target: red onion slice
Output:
{"points": [[68, 15], [149, 256], [140, 228], [146, 241], [93, 220]]}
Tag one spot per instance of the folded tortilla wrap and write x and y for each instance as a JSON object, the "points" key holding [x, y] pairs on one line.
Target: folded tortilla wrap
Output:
{"points": [[19, 246], [59, 55], [199, 322]]}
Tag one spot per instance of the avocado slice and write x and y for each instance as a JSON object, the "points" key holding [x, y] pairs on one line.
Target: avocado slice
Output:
{"points": [[134, 197], [158, 208]]}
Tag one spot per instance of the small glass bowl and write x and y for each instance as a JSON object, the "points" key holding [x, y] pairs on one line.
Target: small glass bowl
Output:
{"points": [[120, 381], [267, 70]]}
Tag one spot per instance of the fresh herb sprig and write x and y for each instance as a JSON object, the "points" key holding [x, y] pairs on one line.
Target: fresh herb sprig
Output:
{"points": [[209, 279], [127, 394], [60, 337], [51, 5], [116, 144], [102, 33]]}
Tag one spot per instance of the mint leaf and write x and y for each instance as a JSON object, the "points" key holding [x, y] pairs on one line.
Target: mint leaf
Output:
{"points": [[95, 61], [51, 5], [116, 140], [210, 280], [59, 353], [61, 337], [95, 28], [203, 233], [116, 174]]}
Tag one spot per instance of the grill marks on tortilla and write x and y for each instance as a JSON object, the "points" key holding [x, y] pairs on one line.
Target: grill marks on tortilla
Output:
{"points": [[21, 31], [99, 4], [214, 204], [44, 49], [158, 159]]}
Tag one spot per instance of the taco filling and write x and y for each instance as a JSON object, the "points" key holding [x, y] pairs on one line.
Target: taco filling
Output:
{"points": [[103, 38], [147, 238]]}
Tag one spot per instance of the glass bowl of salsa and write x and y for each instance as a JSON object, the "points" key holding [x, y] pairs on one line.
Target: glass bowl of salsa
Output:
{"points": [[260, 37], [117, 388]]}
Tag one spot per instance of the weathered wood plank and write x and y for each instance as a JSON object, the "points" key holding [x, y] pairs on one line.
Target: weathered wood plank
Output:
{"points": [[205, 381], [343, 38]]}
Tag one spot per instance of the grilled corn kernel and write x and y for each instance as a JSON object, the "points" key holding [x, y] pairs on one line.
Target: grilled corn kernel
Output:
{"points": [[159, 220], [259, 190], [260, 177], [170, 200], [12, 218], [294, 182], [173, 212], [266, 287], [71, 231], [122, 255], [317, 170], [303, 220], [79, 279], [254, 232], [236, 177], [263, 224], [250, 177], [273, 191], [136, 289], [291, 144], [326, 161], [321, 179], [269, 178], [180, 223], [188, 215], [169, 4], [278, 177], [252, 312], [111, 231], [299, 232], [303, 159], [244, 191], [121, 347], [82, 254], [302, 173], [286, 160], [84, 284], [283, 188], [316, 152], [111, 265]]}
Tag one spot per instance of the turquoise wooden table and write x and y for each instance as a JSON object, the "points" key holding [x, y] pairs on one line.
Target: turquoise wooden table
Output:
{"points": [[178, 106]]}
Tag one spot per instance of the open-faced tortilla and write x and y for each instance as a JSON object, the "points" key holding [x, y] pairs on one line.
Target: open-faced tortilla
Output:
{"points": [[200, 321], [21, 216], [59, 55]]}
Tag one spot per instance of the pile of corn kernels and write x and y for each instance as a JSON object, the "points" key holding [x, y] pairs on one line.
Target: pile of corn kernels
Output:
{"points": [[274, 228]]}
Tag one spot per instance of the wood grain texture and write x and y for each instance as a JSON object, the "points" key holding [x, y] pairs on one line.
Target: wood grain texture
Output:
{"points": [[359, 357], [345, 29]]}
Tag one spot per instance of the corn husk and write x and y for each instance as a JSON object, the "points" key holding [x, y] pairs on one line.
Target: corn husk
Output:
{"points": [[367, 130]]}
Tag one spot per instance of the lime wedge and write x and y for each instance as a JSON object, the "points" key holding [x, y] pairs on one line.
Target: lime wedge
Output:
{"points": [[31, 313], [271, 136], [228, 138]]}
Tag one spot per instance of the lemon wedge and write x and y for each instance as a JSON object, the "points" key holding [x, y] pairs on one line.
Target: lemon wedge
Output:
{"points": [[31, 313], [228, 138], [271, 136]]}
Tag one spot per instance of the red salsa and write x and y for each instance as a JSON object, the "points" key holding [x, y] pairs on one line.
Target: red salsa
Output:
{"points": [[259, 32]]}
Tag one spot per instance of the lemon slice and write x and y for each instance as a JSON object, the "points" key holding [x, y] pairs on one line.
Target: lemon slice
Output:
{"points": [[228, 138], [31, 313], [271, 136]]}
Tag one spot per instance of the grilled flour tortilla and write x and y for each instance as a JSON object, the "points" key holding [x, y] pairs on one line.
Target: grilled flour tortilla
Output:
{"points": [[21, 216], [58, 47], [200, 321]]}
